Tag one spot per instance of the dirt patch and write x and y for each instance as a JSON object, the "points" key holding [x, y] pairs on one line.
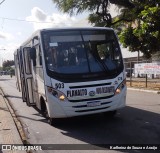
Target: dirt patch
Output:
{"points": [[142, 84]]}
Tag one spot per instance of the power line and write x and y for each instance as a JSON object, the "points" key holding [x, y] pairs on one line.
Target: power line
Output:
{"points": [[2, 2], [4, 18], [22, 20]]}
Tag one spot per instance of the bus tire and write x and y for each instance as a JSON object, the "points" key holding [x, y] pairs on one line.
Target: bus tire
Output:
{"points": [[51, 121], [44, 111]]}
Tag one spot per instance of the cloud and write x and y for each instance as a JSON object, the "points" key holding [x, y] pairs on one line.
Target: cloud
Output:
{"points": [[7, 36], [114, 10], [8, 53], [43, 20], [19, 33], [38, 14]]}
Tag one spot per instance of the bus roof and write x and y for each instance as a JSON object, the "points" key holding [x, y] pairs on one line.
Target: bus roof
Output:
{"points": [[77, 28], [66, 28]]}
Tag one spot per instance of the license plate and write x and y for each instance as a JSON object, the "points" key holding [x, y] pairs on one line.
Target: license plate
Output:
{"points": [[93, 104]]}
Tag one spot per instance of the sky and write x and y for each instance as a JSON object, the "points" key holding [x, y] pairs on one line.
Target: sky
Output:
{"points": [[16, 24]]}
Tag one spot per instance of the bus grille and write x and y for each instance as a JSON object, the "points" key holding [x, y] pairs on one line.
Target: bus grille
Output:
{"points": [[83, 106], [84, 100]]}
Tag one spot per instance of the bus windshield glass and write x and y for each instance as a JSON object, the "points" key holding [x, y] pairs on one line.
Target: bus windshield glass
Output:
{"points": [[82, 52]]}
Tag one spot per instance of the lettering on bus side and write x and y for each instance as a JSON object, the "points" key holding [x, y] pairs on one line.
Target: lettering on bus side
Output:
{"points": [[79, 92]]}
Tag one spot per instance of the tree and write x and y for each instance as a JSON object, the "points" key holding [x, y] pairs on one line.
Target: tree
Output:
{"points": [[7, 66], [99, 14], [8, 63], [143, 33]]}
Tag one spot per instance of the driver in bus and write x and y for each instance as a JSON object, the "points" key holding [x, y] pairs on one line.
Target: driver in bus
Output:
{"points": [[72, 56], [51, 58]]}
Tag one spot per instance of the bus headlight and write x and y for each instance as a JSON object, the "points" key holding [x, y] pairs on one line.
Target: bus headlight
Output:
{"points": [[120, 87], [58, 94]]}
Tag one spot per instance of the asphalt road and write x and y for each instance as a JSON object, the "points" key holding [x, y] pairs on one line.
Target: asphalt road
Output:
{"points": [[137, 123]]}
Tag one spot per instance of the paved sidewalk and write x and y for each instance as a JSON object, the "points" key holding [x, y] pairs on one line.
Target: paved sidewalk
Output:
{"points": [[8, 130]]}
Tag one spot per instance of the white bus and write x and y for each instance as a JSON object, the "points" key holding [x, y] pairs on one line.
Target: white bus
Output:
{"points": [[71, 72]]}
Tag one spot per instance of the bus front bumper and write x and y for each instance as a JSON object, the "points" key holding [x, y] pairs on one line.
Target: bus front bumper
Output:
{"points": [[64, 109]]}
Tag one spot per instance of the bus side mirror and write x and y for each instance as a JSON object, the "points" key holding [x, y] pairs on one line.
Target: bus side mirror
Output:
{"points": [[33, 55]]}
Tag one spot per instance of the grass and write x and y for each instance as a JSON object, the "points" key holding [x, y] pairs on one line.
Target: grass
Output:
{"points": [[151, 85]]}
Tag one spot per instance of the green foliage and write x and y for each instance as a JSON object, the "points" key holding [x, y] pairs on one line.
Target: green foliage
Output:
{"points": [[143, 34], [98, 9], [7, 66], [12, 71], [131, 40], [97, 20], [8, 63]]}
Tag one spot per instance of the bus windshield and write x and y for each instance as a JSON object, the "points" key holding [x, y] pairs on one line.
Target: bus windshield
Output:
{"points": [[82, 53]]}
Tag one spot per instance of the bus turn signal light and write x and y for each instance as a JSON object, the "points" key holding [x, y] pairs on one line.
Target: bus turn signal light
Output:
{"points": [[56, 93], [120, 87], [62, 97], [118, 91]]}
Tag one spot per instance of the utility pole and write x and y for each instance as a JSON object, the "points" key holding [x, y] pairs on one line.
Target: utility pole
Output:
{"points": [[138, 57]]}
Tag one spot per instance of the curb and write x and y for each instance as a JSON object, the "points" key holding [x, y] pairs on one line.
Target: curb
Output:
{"points": [[16, 121], [143, 90]]}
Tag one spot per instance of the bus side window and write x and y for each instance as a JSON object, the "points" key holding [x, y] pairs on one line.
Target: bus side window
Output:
{"points": [[27, 60], [33, 55], [40, 56]]}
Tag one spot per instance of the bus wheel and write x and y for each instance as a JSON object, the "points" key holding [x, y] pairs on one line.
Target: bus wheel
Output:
{"points": [[51, 121], [44, 111], [110, 114]]}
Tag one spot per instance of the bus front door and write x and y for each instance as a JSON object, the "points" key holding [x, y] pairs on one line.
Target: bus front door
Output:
{"points": [[22, 80], [28, 77]]}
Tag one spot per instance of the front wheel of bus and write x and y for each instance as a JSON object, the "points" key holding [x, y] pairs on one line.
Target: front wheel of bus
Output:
{"points": [[49, 120], [45, 112]]}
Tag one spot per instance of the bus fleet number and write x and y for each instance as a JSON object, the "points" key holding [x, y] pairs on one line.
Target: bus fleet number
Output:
{"points": [[59, 85]]}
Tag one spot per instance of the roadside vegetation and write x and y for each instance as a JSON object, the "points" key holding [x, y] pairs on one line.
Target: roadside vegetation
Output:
{"points": [[7, 68]]}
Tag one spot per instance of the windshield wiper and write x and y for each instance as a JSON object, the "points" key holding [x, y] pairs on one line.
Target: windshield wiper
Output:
{"points": [[86, 53], [99, 61]]}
